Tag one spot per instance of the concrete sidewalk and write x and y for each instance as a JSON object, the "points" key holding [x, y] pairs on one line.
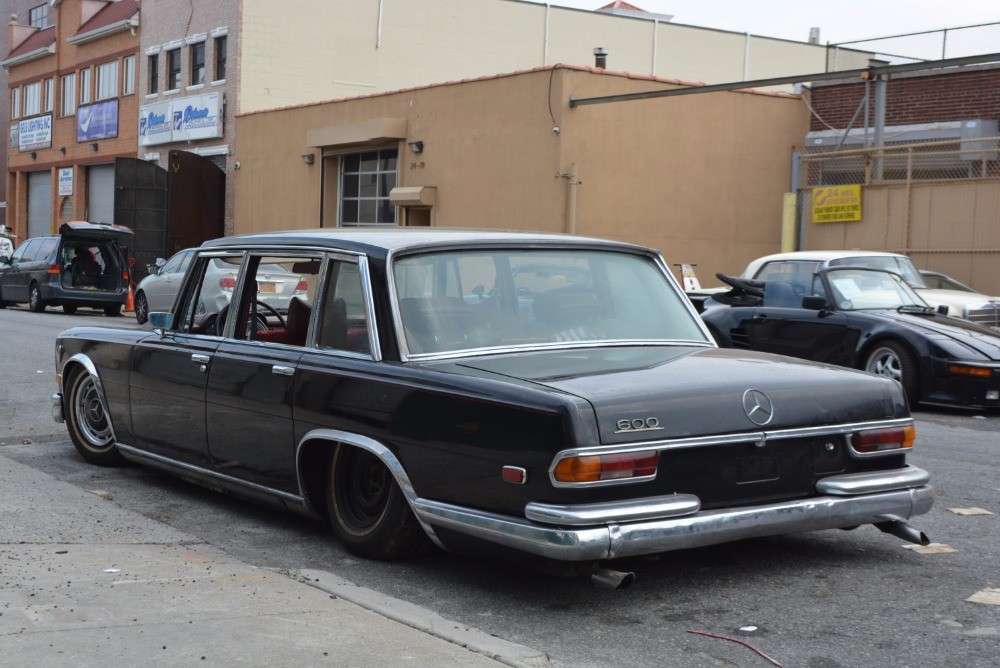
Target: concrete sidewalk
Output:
{"points": [[85, 582]]}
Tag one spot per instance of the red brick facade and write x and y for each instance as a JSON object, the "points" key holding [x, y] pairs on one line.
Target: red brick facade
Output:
{"points": [[914, 99]]}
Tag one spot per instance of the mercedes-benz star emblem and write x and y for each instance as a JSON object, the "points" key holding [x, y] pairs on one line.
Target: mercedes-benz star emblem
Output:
{"points": [[758, 407]]}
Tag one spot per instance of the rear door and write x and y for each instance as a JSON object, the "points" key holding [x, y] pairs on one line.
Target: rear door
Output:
{"points": [[15, 278]]}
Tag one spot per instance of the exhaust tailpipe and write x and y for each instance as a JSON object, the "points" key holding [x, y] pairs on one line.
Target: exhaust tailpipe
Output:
{"points": [[903, 530], [608, 578]]}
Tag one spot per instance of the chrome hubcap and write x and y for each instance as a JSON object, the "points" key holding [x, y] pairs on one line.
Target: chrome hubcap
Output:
{"points": [[91, 419]]}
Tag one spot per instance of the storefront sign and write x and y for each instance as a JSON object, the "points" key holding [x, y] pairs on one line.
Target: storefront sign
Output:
{"points": [[836, 204], [34, 133], [183, 119], [65, 181], [154, 124], [97, 121]]}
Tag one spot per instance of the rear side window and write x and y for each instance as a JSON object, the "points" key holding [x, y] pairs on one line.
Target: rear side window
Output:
{"points": [[26, 251], [788, 272], [47, 249]]}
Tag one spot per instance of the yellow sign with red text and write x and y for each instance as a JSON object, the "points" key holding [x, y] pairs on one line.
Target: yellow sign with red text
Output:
{"points": [[836, 204]]}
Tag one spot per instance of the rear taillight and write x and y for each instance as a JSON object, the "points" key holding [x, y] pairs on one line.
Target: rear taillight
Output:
{"points": [[227, 283], [598, 468], [302, 287], [55, 269], [880, 440]]}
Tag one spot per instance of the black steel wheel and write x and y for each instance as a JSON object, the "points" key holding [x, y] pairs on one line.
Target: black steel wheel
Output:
{"points": [[35, 302], [368, 511], [69, 309], [141, 308], [88, 422], [113, 311], [894, 360]]}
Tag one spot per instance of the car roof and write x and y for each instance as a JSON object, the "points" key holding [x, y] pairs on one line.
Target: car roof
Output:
{"points": [[812, 256], [382, 241]]}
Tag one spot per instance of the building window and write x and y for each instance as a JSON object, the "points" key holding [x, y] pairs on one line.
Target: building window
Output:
{"points": [[33, 99], [67, 95], [220, 58], [173, 69], [365, 181], [128, 75], [85, 86], [38, 17], [15, 102], [197, 63], [154, 74], [50, 87], [107, 80]]}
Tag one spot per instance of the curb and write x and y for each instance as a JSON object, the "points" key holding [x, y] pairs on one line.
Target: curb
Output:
{"points": [[422, 619]]}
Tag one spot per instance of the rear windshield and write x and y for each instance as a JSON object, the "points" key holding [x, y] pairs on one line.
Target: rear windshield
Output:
{"points": [[900, 265], [457, 301]]}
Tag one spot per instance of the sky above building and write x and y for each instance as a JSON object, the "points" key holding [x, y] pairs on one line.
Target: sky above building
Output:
{"points": [[842, 21]]}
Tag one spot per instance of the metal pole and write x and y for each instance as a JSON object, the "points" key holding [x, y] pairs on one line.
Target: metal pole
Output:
{"points": [[880, 87]]}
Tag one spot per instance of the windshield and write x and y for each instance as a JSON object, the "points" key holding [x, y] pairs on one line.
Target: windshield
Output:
{"points": [[857, 289], [901, 265], [473, 300]]}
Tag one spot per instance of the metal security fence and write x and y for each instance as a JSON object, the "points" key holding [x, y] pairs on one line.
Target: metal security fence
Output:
{"points": [[915, 47], [938, 202]]}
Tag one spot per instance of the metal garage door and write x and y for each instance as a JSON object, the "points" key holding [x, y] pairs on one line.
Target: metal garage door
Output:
{"points": [[101, 194], [39, 203]]}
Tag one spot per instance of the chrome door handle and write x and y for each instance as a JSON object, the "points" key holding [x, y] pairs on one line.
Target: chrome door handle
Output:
{"points": [[283, 370], [201, 359]]}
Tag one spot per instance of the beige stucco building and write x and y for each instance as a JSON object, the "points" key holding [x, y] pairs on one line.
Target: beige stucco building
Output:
{"points": [[700, 177]]}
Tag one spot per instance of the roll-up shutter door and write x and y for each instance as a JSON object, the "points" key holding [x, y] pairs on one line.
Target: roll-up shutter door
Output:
{"points": [[101, 194], [39, 203], [218, 160]]}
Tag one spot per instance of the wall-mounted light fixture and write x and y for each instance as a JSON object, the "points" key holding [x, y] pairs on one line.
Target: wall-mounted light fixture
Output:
{"points": [[62, 149], [416, 146], [308, 158], [600, 57], [94, 146], [33, 155]]}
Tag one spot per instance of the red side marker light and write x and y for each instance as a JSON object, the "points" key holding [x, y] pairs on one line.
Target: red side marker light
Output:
{"points": [[514, 475]]}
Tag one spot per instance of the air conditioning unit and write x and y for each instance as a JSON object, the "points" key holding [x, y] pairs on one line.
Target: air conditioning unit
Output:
{"points": [[952, 149]]}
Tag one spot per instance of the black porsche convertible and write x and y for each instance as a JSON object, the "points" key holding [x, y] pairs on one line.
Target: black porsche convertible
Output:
{"points": [[867, 319]]}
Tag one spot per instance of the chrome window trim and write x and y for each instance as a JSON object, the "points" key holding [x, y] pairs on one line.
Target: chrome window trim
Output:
{"points": [[404, 352], [761, 437]]}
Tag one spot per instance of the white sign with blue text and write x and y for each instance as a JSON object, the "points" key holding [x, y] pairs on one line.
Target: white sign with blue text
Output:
{"points": [[183, 119]]}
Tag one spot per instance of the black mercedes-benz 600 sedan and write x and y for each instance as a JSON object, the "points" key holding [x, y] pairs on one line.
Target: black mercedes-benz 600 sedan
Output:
{"points": [[531, 394]]}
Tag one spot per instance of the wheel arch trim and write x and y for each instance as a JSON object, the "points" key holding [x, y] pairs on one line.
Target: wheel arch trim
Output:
{"points": [[385, 455], [91, 369]]}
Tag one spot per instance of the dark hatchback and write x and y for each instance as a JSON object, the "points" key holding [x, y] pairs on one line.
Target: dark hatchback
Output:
{"points": [[83, 266], [864, 318], [544, 396]]}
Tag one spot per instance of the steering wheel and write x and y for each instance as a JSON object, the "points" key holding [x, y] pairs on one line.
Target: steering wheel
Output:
{"points": [[220, 320]]}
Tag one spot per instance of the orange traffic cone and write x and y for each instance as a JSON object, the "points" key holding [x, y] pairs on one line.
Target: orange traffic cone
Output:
{"points": [[130, 300]]}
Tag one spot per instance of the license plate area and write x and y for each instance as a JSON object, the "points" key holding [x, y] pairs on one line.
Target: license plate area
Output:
{"points": [[756, 469], [267, 287]]}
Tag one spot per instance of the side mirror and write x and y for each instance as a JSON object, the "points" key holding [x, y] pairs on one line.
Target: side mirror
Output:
{"points": [[161, 322], [942, 309], [814, 303], [153, 270]]}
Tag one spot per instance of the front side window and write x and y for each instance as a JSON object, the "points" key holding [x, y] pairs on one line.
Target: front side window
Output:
{"points": [[15, 102], [177, 264], [278, 298], [173, 69], [476, 300], [85, 86], [197, 63], [365, 182], [128, 75], [220, 58], [49, 94], [33, 99], [107, 80], [205, 307], [154, 73], [67, 95]]}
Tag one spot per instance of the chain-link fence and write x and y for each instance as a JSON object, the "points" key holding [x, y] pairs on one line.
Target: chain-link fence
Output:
{"points": [[915, 47], [938, 202]]}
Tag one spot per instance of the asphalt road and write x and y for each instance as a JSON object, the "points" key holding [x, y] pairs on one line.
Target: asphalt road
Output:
{"points": [[824, 600]]}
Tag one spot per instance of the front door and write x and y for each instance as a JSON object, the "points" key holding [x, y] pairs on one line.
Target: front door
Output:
{"points": [[170, 374]]}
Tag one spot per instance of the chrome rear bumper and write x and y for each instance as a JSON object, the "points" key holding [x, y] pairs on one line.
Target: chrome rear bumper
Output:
{"points": [[57, 408], [849, 500]]}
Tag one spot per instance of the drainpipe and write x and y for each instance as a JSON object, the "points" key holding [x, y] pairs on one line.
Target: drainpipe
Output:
{"points": [[545, 49], [746, 58], [573, 182]]}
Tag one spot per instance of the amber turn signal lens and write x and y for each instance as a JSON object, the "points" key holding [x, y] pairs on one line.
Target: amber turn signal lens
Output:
{"points": [[594, 468], [974, 371], [878, 440]]}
